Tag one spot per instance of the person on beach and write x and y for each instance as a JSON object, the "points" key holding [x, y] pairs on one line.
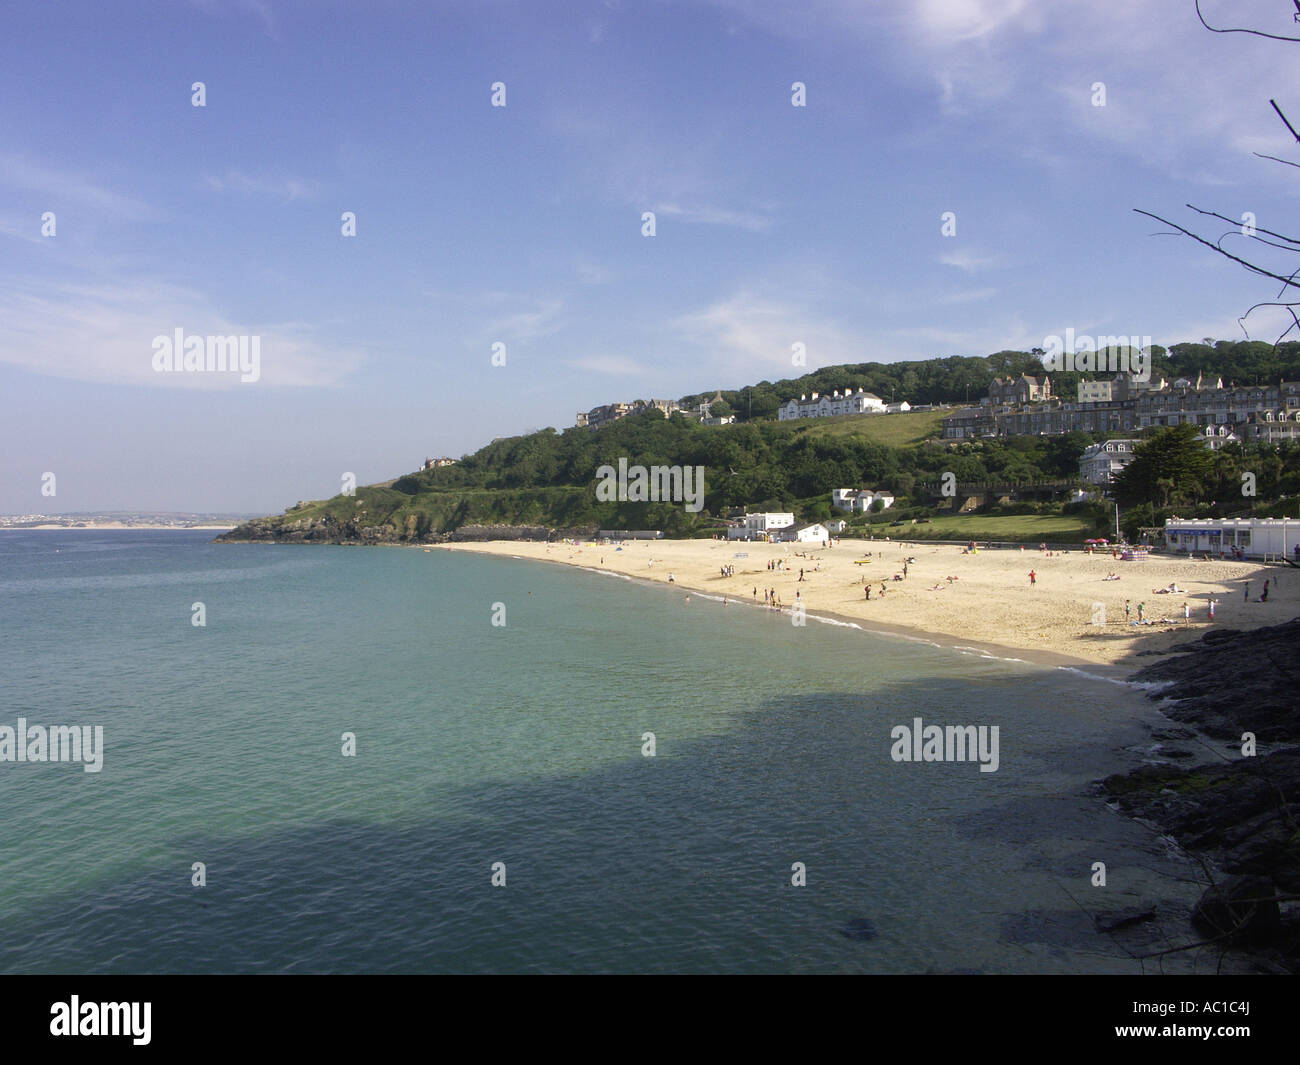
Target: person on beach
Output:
{"points": [[1264, 598], [1127, 610], [1141, 608], [1187, 613], [868, 593], [1033, 578], [1246, 597], [1210, 606]]}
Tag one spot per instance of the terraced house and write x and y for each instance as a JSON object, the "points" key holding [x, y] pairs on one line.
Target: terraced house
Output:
{"points": [[1252, 412], [819, 406]]}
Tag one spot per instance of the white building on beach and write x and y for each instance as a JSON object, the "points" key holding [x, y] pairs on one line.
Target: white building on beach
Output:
{"points": [[1255, 537], [761, 525], [812, 533]]}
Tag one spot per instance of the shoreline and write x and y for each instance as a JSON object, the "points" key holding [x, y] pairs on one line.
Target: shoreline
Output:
{"points": [[115, 527], [1032, 656], [995, 613]]}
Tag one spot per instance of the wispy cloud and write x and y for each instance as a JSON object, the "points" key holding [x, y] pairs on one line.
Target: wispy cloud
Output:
{"points": [[105, 332], [964, 259], [285, 189], [749, 333], [620, 365], [261, 10], [62, 187], [973, 295], [710, 215]]}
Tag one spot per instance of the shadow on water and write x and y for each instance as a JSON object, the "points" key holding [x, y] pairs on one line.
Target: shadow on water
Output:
{"points": [[677, 863]]}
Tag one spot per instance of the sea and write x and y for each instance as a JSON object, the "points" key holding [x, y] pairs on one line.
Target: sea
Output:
{"points": [[376, 759]]}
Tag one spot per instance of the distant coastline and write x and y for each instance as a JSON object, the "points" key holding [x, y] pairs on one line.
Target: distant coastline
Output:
{"points": [[112, 527]]}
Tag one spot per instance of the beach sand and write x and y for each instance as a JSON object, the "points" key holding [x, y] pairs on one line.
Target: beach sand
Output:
{"points": [[1071, 615]]}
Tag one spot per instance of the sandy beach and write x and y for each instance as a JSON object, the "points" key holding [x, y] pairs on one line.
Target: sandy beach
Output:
{"points": [[1071, 614]]}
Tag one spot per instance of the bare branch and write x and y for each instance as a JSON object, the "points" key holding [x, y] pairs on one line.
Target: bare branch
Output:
{"points": [[1233, 221], [1275, 159], [1284, 121], [1227, 255], [1256, 33]]}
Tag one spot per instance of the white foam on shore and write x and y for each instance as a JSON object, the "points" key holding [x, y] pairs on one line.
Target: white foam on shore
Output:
{"points": [[592, 569], [1150, 686]]}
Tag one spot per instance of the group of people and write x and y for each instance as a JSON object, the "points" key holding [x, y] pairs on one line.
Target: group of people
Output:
{"points": [[728, 571], [1264, 595]]}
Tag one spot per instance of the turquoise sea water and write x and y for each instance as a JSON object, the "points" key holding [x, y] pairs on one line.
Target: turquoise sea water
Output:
{"points": [[522, 744]]}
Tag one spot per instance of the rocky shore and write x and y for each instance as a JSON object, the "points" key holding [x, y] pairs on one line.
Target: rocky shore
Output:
{"points": [[1237, 814]]}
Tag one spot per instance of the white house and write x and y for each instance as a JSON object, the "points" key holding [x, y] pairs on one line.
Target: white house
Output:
{"points": [[1256, 537], [760, 526], [898, 408], [1100, 462], [859, 499], [836, 526], [819, 406], [815, 532]]}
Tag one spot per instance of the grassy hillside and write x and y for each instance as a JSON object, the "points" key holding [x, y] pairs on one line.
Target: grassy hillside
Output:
{"points": [[891, 430]]}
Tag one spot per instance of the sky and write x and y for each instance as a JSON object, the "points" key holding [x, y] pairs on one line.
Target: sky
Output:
{"points": [[127, 213]]}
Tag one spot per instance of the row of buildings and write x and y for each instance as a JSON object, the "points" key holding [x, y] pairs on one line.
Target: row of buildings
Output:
{"points": [[598, 417], [603, 415], [1253, 413], [779, 526], [837, 403]]}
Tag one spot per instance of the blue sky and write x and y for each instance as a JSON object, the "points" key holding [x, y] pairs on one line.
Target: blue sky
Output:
{"points": [[522, 224]]}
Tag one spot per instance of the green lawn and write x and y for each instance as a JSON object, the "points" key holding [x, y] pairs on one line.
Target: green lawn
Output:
{"points": [[1025, 527], [892, 430]]}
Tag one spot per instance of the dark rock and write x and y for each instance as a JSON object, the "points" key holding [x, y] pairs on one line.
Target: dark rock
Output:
{"points": [[1229, 682], [859, 928], [1240, 908], [1129, 916], [1172, 733]]}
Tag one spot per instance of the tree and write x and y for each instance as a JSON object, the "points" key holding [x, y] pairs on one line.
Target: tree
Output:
{"points": [[1174, 462]]}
